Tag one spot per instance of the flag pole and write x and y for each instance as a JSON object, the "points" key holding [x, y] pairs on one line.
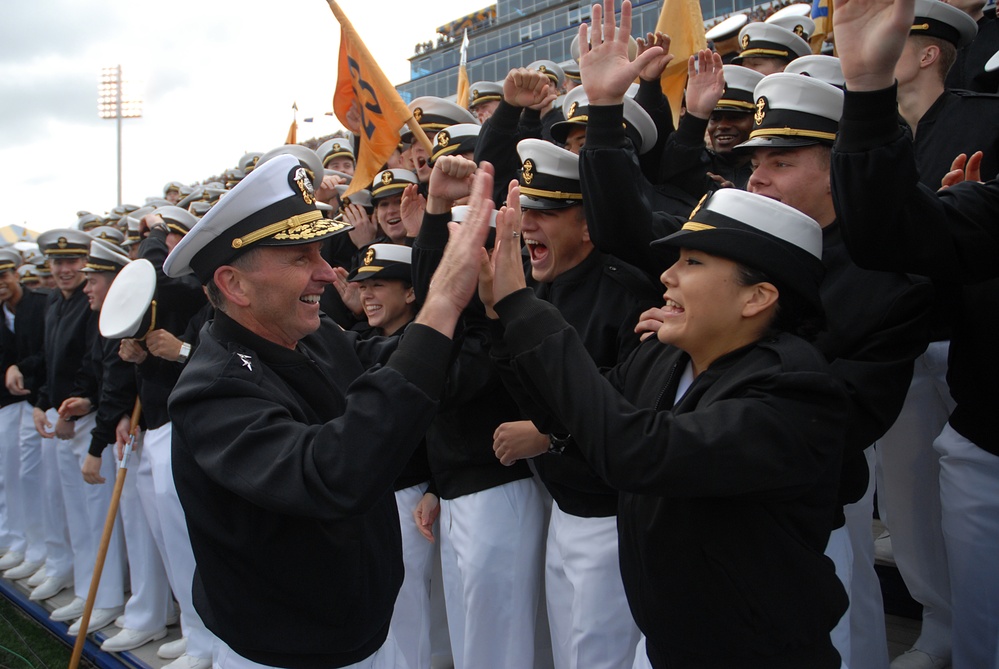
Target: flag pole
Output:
{"points": [[102, 551]]}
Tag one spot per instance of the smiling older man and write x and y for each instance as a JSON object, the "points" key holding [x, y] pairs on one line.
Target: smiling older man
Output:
{"points": [[283, 445]]}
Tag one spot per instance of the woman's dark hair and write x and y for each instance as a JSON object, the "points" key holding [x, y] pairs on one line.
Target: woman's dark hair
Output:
{"points": [[794, 313]]}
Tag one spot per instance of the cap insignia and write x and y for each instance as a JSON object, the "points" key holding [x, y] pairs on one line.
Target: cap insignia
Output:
{"points": [[572, 109], [528, 171], [745, 41], [369, 257], [698, 207], [443, 138], [799, 30], [761, 110], [62, 243], [300, 180], [345, 201], [387, 178], [336, 147], [475, 93], [418, 114]]}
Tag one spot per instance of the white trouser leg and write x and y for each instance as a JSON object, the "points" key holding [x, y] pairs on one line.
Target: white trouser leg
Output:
{"points": [[491, 550], [176, 543], [911, 496], [840, 551], [969, 495], [58, 555], [868, 640], [591, 623], [31, 473], [146, 610], [11, 506], [411, 615], [86, 512]]}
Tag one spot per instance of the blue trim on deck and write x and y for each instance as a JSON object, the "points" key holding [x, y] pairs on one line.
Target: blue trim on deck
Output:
{"points": [[91, 649]]}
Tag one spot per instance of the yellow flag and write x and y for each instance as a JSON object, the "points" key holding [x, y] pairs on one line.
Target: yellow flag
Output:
{"points": [[461, 96], [382, 113], [822, 14], [682, 21], [292, 137]]}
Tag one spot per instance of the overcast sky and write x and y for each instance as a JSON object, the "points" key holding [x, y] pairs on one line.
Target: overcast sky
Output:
{"points": [[217, 79]]}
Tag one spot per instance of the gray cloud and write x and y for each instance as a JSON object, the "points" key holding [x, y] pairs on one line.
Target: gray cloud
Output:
{"points": [[30, 30]]}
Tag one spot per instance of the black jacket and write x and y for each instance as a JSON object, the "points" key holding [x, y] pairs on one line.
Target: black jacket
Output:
{"points": [[474, 402], [177, 301], [727, 498], [25, 346], [905, 226], [70, 332], [280, 453]]}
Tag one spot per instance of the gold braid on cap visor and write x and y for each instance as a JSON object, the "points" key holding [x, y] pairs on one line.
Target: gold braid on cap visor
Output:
{"points": [[274, 229]]}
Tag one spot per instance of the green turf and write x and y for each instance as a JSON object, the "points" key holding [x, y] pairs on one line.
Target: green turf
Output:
{"points": [[24, 644]]}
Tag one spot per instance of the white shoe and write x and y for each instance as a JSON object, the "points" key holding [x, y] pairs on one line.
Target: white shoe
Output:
{"points": [[171, 650], [37, 578], [71, 611], [99, 619], [186, 661], [917, 659], [119, 622], [51, 587], [11, 560], [128, 639], [882, 548], [23, 570]]}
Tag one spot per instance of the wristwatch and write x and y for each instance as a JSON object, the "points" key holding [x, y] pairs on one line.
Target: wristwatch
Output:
{"points": [[185, 353], [558, 442]]}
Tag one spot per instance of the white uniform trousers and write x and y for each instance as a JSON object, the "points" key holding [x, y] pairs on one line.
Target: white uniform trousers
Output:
{"points": [[591, 623], [868, 640], [969, 495], [910, 493], [411, 616], [389, 656], [86, 513], [32, 489], [58, 555], [491, 563], [11, 503], [158, 496], [839, 550], [151, 602]]}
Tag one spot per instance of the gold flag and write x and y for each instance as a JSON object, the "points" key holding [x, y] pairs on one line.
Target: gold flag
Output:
{"points": [[822, 14], [382, 113], [682, 21], [461, 96], [292, 137]]}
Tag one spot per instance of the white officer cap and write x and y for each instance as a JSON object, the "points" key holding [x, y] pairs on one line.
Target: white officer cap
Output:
{"points": [[766, 40], [126, 310], [727, 29], [549, 176], [818, 66], [275, 205], [792, 110], [105, 258], [758, 232], [938, 19], [639, 125]]}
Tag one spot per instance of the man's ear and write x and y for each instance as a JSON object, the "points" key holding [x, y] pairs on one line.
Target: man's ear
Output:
{"points": [[230, 282]]}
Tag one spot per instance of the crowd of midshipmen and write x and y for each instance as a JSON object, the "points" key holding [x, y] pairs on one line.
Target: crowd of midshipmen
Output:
{"points": [[526, 525]]}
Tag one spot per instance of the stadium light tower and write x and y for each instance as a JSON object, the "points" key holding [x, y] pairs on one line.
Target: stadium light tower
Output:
{"points": [[115, 101]]}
